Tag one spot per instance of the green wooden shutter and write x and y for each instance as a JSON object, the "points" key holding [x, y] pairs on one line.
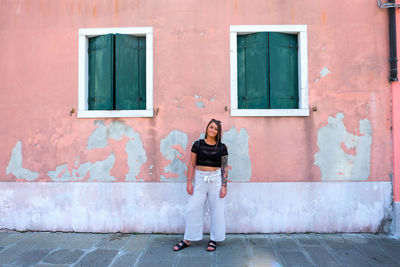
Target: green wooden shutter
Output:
{"points": [[142, 73], [130, 72], [101, 72], [253, 79], [283, 71], [241, 71]]}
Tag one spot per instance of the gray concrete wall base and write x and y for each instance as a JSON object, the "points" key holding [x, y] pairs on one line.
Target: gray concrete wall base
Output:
{"points": [[396, 219], [279, 207]]}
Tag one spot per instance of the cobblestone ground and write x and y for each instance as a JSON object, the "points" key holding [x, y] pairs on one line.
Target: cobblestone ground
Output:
{"points": [[81, 249]]}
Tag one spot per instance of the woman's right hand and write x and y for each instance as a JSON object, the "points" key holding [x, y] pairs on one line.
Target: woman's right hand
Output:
{"points": [[189, 188]]}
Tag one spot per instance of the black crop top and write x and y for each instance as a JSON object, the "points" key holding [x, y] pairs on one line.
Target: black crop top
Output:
{"points": [[209, 155]]}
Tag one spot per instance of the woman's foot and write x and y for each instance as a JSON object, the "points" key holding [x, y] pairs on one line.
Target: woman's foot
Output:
{"points": [[212, 245], [181, 245]]}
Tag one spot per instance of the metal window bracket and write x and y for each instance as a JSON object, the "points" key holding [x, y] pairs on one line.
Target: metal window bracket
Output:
{"points": [[387, 5]]}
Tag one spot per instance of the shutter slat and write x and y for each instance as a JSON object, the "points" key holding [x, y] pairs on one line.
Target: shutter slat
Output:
{"points": [[101, 72]]}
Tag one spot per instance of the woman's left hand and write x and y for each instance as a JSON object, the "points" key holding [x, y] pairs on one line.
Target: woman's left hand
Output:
{"points": [[222, 192]]}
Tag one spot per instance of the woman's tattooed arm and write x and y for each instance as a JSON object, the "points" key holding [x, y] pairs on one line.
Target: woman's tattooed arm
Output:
{"points": [[224, 170]]}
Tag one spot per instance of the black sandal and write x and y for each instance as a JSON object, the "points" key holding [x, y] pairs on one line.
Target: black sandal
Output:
{"points": [[211, 244], [180, 245]]}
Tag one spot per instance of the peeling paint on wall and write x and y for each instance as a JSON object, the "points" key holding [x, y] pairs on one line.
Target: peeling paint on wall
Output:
{"points": [[134, 147], [334, 157], [199, 104], [177, 166], [202, 136], [98, 139], [324, 72], [136, 156], [15, 165], [238, 149], [62, 174], [115, 130], [99, 171]]}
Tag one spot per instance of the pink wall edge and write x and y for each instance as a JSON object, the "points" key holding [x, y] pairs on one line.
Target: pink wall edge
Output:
{"points": [[396, 122]]}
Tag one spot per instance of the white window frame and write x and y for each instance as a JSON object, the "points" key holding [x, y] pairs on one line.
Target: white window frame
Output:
{"points": [[301, 31], [83, 76]]}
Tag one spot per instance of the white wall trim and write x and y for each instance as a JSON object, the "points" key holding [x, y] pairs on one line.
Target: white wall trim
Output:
{"points": [[83, 72], [250, 207], [301, 31], [114, 113]]}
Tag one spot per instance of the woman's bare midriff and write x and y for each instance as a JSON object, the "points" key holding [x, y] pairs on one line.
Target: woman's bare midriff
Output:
{"points": [[207, 168]]}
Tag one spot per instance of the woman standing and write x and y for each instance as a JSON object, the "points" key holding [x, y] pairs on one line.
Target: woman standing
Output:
{"points": [[209, 165]]}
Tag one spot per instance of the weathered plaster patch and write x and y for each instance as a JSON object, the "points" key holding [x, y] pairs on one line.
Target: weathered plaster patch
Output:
{"points": [[81, 171], [177, 102], [77, 161], [337, 163], [15, 165], [134, 146], [118, 129], [177, 166], [238, 149], [136, 156], [98, 139], [60, 174], [202, 136], [324, 72], [115, 130], [100, 170], [367, 108], [199, 104]]}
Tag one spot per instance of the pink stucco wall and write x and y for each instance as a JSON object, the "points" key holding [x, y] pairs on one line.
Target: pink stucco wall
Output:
{"points": [[396, 142], [396, 125], [39, 72]]}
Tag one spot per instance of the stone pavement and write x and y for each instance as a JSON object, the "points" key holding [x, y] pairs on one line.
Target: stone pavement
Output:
{"points": [[82, 249]]}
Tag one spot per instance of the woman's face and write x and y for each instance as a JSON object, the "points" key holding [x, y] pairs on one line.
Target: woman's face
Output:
{"points": [[212, 130]]}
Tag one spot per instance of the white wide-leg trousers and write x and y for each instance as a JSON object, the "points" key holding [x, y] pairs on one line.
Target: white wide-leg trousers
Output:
{"points": [[207, 185]]}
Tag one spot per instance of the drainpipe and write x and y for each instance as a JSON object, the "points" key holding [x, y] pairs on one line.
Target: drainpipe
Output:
{"points": [[391, 6], [393, 79], [392, 43]]}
